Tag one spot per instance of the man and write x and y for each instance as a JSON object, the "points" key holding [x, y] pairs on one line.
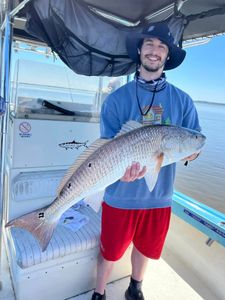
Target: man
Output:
{"points": [[130, 213]]}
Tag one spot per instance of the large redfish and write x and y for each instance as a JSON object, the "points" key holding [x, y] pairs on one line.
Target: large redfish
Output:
{"points": [[105, 162]]}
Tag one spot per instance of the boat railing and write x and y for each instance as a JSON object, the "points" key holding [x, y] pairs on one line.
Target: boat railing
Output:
{"points": [[204, 218]]}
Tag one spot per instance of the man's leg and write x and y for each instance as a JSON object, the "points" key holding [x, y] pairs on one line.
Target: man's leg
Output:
{"points": [[104, 269], [116, 235], [149, 239], [139, 264]]}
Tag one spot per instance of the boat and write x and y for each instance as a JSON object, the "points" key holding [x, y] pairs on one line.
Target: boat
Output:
{"points": [[50, 114]]}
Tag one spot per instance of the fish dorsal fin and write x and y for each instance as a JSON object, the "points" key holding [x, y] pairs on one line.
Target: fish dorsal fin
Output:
{"points": [[78, 162], [128, 126]]}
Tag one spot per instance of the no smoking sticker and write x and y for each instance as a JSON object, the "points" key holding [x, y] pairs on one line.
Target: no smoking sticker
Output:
{"points": [[25, 129]]}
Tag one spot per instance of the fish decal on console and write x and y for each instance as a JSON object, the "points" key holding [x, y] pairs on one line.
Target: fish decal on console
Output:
{"points": [[73, 144]]}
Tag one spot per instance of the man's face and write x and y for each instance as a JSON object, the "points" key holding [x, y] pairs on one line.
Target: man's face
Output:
{"points": [[153, 55]]}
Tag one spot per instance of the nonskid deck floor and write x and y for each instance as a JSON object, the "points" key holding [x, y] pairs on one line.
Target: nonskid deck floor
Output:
{"points": [[161, 282]]}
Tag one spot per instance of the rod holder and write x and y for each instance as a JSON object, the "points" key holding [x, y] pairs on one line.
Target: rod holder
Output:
{"points": [[209, 242]]}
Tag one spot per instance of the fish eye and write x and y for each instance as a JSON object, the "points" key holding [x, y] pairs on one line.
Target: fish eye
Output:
{"points": [[89, 165]]}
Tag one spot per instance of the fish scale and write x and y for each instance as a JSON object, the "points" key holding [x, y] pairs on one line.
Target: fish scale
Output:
{"points": [[105, 162]]}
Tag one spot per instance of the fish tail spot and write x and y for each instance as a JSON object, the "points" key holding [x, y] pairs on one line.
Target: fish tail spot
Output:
{"points": [[41, 215], [36, 223]]}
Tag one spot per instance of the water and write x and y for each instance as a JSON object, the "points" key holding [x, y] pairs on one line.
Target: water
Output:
{"points": [[204, 178]]}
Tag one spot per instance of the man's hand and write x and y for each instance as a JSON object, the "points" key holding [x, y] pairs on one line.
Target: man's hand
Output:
{"points": [[134, 172]]}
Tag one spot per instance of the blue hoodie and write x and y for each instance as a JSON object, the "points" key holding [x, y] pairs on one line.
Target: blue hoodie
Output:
{"points": [[170, 106]]}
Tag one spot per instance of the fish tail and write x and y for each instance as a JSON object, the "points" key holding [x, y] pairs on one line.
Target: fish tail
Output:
{"points": [[37, 224]]}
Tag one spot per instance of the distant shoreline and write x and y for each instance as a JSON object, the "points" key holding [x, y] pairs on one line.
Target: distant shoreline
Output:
{"points": [[207, 102]]}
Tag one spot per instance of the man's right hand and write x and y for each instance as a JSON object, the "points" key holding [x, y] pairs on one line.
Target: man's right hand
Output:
{"points": [[134, 172]]}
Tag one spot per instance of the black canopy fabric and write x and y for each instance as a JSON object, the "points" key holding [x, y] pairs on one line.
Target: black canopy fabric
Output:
{"points": [[91, 44], [87, 43], [207, 16]]}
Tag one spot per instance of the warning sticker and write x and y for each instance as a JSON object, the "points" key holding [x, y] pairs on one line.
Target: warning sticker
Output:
{"points": [[25, 129]]}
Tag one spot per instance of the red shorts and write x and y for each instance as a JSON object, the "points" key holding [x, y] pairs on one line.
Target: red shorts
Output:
{"points": [[146, 228]]}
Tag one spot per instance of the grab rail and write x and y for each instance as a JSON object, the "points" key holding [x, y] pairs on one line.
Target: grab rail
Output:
{"points": [[206, 219]]}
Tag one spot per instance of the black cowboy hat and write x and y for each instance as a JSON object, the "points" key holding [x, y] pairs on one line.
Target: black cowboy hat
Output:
{"points": [[161, 31]]}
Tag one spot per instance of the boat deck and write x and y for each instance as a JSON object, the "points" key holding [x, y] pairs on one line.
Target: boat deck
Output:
{"points": [[161, 282]]}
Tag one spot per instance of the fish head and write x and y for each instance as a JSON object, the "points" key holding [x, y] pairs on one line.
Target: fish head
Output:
{"points": [[182, 141]]}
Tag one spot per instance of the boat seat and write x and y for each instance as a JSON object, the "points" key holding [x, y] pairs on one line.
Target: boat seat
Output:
{"points": [[27, 251]]}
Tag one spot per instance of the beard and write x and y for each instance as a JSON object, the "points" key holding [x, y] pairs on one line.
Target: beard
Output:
{"points": [[156, 68]]}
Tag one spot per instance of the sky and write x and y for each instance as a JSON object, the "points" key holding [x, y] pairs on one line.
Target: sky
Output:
{"points": [[202, 74]]}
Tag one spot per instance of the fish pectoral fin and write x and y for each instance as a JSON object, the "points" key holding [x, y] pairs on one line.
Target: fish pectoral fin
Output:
{"points": [[151, 176], [159, 161]]}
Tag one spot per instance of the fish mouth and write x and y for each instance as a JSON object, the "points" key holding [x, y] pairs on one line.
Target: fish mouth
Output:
{"points": [[203, 137], [202, 143], [199, 148], [201, 140]]}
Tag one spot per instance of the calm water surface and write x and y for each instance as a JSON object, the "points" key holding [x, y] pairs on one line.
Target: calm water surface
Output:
{"points": [[204, 178]]}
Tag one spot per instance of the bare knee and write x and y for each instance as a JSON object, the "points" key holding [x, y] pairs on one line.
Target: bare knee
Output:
{"points": [[103, 272], [104, 265]]}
